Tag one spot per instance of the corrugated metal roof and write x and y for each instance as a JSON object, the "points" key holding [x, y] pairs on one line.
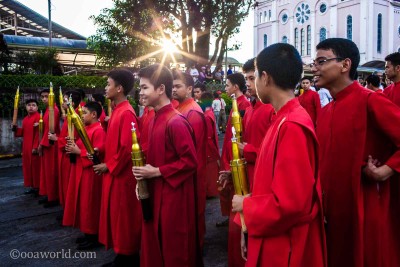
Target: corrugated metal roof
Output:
{"points": [[23, 41], [36, 24]]}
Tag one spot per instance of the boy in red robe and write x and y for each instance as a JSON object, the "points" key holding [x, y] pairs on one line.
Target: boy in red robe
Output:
{"points": [[182, 91], [82, 209], [235, 85], [99, 98], [283, 214], [144, 124], [359, 155], [212, 151], [49, 159], [309, 99], [30, 158], [256, 122], [170, 239], [392, 71], [65, 164], [120, 213]]}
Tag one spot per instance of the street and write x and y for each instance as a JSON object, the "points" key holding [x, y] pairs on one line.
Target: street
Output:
{"points": [[32, 235]]}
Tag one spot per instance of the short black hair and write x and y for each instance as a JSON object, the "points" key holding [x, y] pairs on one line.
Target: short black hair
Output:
{"points": [[283, 63], [306, 78], [124, 78], [31, 101], [394, 58], [184, 77], [343, 48], [202, 86], [94, 106], [99, 98], [76, 98], [216, 95], [46, 90], [238, 79], [158, 75], [373, 79], [249, 65]]}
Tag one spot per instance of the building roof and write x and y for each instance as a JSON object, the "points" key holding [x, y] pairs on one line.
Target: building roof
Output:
{"points": [[29, 22], [14, 41]]}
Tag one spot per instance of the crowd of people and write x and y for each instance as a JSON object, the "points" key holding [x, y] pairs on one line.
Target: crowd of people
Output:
{"points": [[322, 164]]}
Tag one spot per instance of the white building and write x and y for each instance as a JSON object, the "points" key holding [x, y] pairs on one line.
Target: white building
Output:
{"points": [[374, 25]]}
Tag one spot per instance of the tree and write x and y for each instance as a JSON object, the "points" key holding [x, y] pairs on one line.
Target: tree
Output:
{"points": [[133, 28], [45, 60]]}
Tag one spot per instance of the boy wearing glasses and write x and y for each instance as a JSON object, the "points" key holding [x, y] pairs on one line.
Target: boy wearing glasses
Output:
{"points": [[359, 155]]}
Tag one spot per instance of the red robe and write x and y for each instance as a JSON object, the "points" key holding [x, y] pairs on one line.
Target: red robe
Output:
{"points": [[120, 214], [227, 193], [359, 228], [393, 93], [256, 122], [213, 157], [170, 238], [64, 164], [311, 103], [49, 160], [82, 209], [284, 213], [30, 141], [144, 123], [102, 120], [194, 114]]}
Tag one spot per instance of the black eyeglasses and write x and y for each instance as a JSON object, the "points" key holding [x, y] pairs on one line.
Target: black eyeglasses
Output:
{"points": [[320, 62]]}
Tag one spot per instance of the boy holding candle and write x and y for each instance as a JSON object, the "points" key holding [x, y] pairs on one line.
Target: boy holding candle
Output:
{"points": [[82, 207], [48, 153], [30, 158]]}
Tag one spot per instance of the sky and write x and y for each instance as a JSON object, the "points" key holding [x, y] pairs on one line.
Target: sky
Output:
{"points": [[74, 15]]}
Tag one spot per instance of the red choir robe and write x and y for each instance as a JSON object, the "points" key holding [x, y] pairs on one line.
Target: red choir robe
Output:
{"points": [[393, 93], [194, 114], [30, 141], [284, 213], [362, 227], [170, 239], [213, 157], [174, 103], [256, 122], [227, 193], [82, 209], [379, 91], [144, 123], [49, 160], [64, 164], [311, 103], [120, 214]]}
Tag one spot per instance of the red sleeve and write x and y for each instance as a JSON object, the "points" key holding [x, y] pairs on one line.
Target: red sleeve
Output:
{"points": [[185, 165], [19, 132], [35, 142], [120, 160], [385, 113], [291, 191], [317, 104], [250, 153]]}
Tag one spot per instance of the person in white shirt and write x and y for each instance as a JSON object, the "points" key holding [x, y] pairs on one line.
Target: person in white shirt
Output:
{"points": [[194, 72], [216, 106], [324, 96]]}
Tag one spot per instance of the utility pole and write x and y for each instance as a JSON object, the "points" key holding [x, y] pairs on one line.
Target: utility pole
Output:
{"points": [[50, 26]]}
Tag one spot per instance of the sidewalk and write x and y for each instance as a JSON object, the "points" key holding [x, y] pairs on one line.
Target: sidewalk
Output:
{"points": [[10, 163]]}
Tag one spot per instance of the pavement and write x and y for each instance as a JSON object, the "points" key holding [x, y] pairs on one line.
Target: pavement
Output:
{"points": [[30, 235]]}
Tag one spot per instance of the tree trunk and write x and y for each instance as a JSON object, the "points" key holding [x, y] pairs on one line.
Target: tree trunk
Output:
{"points": [[222, 51], [203, 46]]}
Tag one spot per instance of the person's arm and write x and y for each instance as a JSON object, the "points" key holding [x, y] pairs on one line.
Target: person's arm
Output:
{"points": [[176, 172], [384, 112], [292, 188], [122, 158]]}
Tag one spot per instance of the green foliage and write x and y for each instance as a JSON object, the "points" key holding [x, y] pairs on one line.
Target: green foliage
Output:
{"points": [[45, 60], [35, 81], [228, 102]]}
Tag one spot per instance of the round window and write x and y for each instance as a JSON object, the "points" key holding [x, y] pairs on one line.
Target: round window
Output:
{"points": [[322, 8], [302, 13], [284, 18]]}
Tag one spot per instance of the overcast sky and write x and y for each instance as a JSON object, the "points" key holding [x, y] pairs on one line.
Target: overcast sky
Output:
{"points": [[74, 15]]}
